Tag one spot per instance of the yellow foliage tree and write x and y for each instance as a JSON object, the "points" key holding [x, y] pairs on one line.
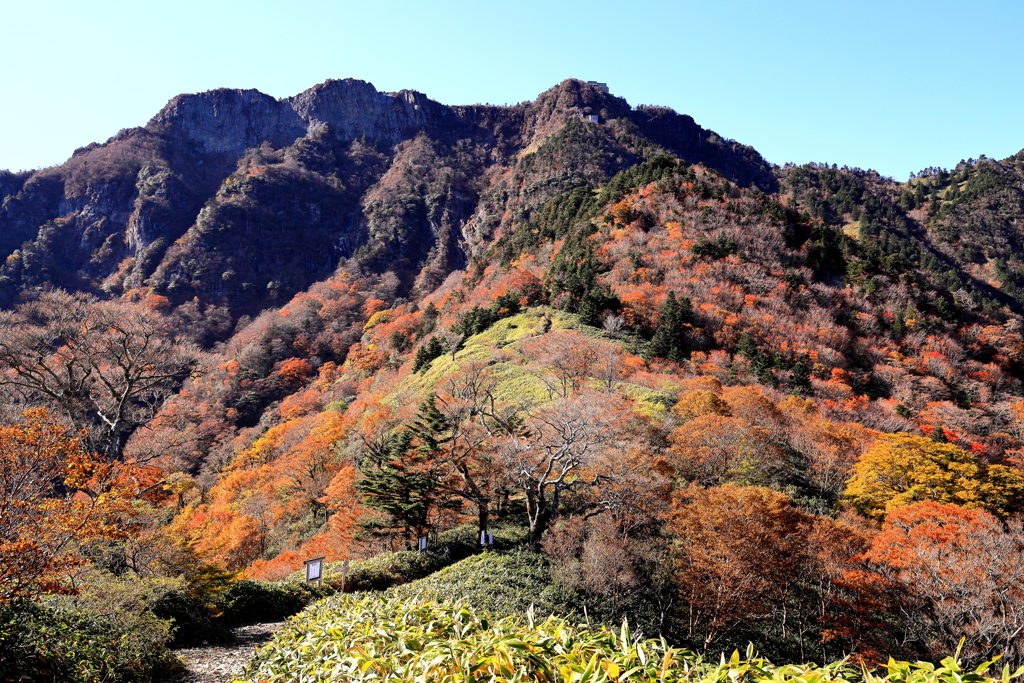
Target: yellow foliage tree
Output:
{"points": [[902, 469], [694, 404]]}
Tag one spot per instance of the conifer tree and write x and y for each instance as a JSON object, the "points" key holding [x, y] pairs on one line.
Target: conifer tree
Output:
{"points": [[800, 379], [669, 340], [388, 485], [746, 347], [430, 427], [427, 353], [404, 480]]}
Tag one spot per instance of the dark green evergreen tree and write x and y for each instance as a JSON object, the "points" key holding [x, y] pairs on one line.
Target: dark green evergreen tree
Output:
{"points": [[899, 324], [430, 427], [390, 485], [428, 321], [427, 353], [746, 347], [402, 477], [947, 309], [800, 379], [669, 340]]}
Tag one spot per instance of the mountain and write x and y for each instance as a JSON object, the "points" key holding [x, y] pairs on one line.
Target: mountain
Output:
{"points": [[220, 195], [332, 324]]}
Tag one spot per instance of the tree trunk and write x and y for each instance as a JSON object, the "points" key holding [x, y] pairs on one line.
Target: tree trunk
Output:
{"points": [[482, 512], [538, 525]]}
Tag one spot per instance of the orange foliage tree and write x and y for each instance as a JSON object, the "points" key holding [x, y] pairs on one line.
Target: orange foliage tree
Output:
{"points": [[713, 449], [448, 450], [54, 497], [744, 557], [741, 553]]}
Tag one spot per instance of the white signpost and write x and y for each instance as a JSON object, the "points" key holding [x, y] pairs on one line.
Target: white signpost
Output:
{"points": [[314, 570], [344, 574]]}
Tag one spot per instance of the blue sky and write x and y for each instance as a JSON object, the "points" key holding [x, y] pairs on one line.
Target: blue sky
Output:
{"points": [[894, 86]]}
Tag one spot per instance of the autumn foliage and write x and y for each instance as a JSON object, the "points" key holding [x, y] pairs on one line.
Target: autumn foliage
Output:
{"points": [[54, 499], [965, 570], [715, 412], [902, 469]]}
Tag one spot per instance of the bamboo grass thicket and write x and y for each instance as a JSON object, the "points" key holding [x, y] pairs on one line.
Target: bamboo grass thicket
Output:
{"points": [[381, 639]]}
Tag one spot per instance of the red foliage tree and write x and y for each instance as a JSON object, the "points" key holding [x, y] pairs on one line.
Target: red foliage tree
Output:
{"points": [[966, 569]]}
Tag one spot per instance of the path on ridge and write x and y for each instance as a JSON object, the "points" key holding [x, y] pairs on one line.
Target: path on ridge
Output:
{"points": [[224, 663]]}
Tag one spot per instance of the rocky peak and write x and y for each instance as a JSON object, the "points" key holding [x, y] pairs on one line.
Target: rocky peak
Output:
{"points": [[573, 98], [163, 206], [230, 120], [353, 108], [233, 120], [11, 183]]}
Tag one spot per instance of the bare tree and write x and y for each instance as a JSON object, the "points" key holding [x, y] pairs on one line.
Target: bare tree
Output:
{"points": [[451, 342], [574, 445], [474, 420], [106, 366], [563, 360], [610, 367], [612, 324]]}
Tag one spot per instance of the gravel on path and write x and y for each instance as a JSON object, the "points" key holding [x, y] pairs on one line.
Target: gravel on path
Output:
{"points": [[224, 663]]}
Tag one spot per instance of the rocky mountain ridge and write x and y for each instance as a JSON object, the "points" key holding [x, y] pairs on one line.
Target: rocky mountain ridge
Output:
{"points": [[215, 198], [232, 121]]}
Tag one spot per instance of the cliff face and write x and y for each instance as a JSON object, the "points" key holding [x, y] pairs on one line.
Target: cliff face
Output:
{"points": [[231, 121], [239, 199]]}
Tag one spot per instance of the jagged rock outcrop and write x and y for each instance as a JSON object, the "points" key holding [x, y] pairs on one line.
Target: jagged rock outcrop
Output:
{"points": [[231, 121]]}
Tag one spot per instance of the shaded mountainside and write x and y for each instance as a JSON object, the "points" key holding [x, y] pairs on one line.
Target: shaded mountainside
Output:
{"points": [[221, 194], [963, 228]]}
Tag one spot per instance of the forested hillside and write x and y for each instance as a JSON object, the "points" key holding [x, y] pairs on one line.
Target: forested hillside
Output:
{"points": [[727, 401]]}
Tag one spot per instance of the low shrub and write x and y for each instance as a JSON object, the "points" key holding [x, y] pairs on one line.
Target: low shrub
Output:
{"points": [[461, 542], [501, 584], [192, 619], [386, 638], [199, 621], [386, 570], [345, 638], [254, 601], [58, 643], [404, 566]]}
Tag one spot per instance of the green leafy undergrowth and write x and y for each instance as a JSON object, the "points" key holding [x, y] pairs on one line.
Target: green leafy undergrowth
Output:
{"points": [[501, 584], [949, 670], [254, 601], [193, 620], [345, 638], [199, 620], [379, 572], [73, 645], [392, 637], [387, 570]]}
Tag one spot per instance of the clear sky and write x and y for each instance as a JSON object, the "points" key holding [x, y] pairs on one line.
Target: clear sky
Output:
{"points": [[895, 86]]}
